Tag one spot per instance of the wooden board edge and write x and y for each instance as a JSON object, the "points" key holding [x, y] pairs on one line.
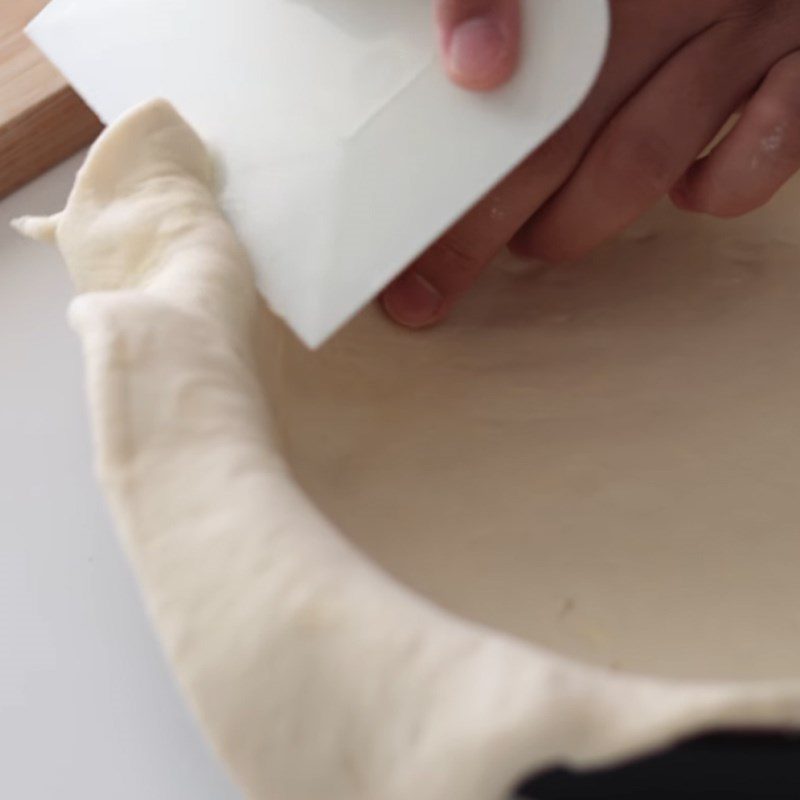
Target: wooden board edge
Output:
{"points": [[43, 136]]}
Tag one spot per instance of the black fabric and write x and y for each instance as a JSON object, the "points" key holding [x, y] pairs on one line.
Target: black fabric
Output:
{"points": [[718, 767]]}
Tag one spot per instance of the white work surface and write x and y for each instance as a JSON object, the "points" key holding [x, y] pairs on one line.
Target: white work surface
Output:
{"points": [[88, 709]]}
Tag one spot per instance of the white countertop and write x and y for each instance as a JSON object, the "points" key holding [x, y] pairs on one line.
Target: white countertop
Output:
{"points": [[88, 709]]}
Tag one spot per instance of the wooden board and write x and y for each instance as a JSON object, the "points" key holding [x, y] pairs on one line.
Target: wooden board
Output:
{"points": [[42, 121]]}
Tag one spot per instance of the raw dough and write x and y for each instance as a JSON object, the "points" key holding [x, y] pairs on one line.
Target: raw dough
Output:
{"points": [[599, 459]]}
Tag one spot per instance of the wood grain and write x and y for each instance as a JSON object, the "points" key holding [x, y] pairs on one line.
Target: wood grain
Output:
{"points": [[42, 121]]}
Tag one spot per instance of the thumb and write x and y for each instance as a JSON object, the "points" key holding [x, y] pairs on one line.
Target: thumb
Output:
{"points": [[479, 40]]}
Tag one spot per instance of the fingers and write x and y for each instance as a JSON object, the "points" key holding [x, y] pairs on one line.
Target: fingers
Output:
{"points": [[426, 293], [757, 157], [480, 40], [646, 148], [434, 284]]}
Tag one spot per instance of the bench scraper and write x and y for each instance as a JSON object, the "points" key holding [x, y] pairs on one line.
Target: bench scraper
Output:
{"points": [[345, 150]]}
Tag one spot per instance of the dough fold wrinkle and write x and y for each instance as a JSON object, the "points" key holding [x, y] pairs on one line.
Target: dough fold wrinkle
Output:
{"points": [[316, 671]]}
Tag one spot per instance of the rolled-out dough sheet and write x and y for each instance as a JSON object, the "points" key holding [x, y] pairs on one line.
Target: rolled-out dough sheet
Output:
{"points": [[603, 458], [600, 460]]}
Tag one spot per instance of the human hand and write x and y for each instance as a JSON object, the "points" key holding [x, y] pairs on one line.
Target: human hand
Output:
{"points": [[479, 40], [676, 72]]}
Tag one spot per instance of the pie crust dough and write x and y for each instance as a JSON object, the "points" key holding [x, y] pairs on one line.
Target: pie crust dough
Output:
{"points": [[559, 530]]}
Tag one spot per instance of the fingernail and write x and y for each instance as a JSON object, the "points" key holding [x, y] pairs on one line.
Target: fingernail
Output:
{"points": [[477, 48], [412, 301]]}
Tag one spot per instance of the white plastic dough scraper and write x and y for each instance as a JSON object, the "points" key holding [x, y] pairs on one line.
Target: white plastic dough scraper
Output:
{"points": [[345, 150]]}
